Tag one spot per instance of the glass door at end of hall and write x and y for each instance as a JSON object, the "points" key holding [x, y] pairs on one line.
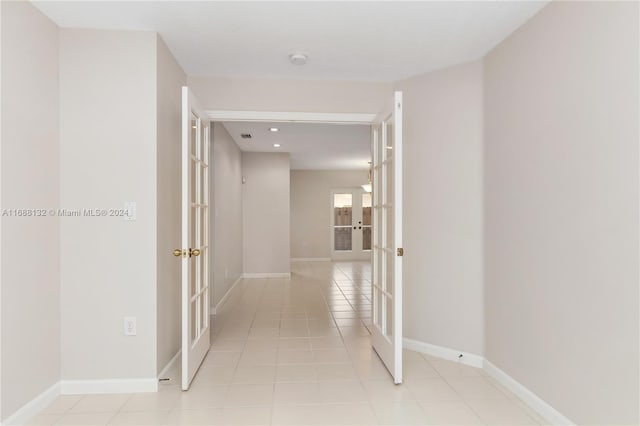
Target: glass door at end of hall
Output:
{"points": [[350, 224]]}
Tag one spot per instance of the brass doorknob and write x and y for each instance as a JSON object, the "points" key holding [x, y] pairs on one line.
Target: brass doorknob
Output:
{"points": [[177, 252], [194, 252]]}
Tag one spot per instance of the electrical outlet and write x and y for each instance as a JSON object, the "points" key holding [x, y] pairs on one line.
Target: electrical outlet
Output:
{"points": [[130, 328]]}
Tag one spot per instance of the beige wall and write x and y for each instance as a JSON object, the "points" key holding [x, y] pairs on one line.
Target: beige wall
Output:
{"points": [[442, 212], [30, 274], [108, 156], [265, 212], [311, 208], [227, 213], [561, 202], [561, 206], [289, 95], [170, 79]]}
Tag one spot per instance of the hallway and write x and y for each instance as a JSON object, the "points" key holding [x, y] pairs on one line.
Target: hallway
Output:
{"points": [[298, 352]]}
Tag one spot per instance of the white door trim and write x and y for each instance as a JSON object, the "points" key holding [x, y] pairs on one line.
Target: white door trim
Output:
{"points": [[195, 172], [295, 117]]}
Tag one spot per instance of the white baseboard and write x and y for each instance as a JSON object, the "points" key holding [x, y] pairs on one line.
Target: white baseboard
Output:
{"points": [[75, 387], [214, 309], [536, 403], [267, 275], [33, 407], [541, 407], [169, 365], [310, 259], [467, 358]]}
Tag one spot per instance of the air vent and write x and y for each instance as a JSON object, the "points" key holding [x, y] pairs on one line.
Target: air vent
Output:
{"points": [[245, 135]]}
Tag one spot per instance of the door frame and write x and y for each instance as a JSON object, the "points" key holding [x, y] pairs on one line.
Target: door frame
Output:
{"points": [[291, 117], [272, 116]]}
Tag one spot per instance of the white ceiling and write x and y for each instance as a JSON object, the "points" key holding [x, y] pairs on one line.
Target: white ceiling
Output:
{"points": [[360, 40], [345, 40], [311, 146]]}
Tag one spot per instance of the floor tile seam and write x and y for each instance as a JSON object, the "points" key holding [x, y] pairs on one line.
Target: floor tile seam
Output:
{"points": [[495, 399], [130, 396], [249, 384], [447, 378], [465, 402], [138, 410], [427, 378], [68, 409], [235, 368], [111, 418]]}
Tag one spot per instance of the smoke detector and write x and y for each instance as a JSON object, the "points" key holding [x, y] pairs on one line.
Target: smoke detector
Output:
{"points": [[298, 58]]}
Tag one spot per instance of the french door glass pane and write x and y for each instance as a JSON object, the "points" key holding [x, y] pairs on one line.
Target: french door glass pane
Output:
{"points": [[194, 325], [193, 134], [342, 204], [201, 142], [389, 139], [378, 305], [366, 238], [389, 316], [194, 183], [366, 208], [192, 265], [202, 323], [201, 185], [205, 301], [342, 221], [389, 272], [342, 238], [366, 221]]}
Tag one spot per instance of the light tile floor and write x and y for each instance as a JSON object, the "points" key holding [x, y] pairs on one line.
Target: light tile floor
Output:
{"points": [[298, 352]]}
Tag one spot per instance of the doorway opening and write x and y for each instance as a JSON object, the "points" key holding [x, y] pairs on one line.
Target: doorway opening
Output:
{"points": [[351, 224], [346, 206]]}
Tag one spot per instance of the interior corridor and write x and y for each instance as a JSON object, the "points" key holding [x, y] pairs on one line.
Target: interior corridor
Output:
{"points": [[297, 352]]}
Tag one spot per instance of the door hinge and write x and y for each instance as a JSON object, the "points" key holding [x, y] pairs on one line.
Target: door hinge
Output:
{"points": [[400, 251]]}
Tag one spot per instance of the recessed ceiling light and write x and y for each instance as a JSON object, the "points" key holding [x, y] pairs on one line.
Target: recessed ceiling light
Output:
{"points": [[276, 145], [273, 129], [298, 58]]}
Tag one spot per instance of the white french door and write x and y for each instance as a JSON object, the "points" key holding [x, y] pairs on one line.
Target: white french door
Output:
{"points": [[386, 333], [350, 224], [195, 236]]}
